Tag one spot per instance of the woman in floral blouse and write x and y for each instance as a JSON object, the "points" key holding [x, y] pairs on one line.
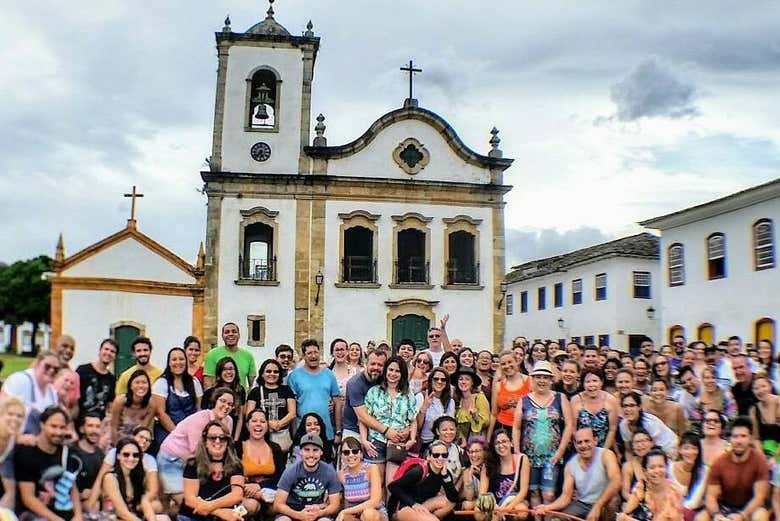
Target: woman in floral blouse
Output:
{"points": [[392, 404]]}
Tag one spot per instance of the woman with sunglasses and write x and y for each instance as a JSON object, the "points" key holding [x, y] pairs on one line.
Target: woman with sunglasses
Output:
{"points": [[142, 436], [35, 387], [507, 393], [418, 373], [277, 402], [392, 404], [185, 440], [227, 376], [124, 487], [436, 402], [506, 475], [263, 462], [175, 394], [362, 484], [213, 479], [415, 495], [660, 404], [133, 408]]}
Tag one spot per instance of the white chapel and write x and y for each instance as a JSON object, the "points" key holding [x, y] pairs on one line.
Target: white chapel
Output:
{"points": [[373, 239]]}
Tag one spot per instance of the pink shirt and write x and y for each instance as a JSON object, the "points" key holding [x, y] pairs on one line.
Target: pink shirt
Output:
{"points": [[183, 440]]}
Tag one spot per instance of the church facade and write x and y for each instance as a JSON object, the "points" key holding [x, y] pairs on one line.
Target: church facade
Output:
{"points": [[378, 238]]}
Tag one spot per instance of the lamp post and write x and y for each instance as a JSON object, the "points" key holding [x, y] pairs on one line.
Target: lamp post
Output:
{"points": [[650, 313], [318, 280]]}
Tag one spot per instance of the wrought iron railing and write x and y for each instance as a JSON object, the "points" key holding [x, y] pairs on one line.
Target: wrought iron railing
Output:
{"points": [[412, 270], [358, 269], [457, 273], [257, 269]]}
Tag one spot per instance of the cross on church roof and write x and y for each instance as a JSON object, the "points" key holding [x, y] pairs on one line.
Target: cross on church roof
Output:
{"points": [[411, 70], [133, 195]]}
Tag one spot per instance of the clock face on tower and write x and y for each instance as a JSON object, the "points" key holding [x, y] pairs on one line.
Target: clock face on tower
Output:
{"points": [[260, 151]]}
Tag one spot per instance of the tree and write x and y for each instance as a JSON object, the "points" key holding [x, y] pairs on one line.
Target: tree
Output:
{"points": [[25, 293]]}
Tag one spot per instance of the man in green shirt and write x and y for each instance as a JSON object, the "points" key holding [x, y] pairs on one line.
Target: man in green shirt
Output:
{"points": [[244, 358]]}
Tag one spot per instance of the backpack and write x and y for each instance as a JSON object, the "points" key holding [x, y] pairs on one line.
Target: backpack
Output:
{"points": [[408, 464]]}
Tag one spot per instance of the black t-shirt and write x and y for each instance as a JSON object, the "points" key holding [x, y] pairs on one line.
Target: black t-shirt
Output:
{"points": [[33, 465], [91, 462], [97, 390], [210, 488], [272, 401]]}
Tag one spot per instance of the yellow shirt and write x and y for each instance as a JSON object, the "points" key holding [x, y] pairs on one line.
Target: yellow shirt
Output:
{"points": [[121, 384]]}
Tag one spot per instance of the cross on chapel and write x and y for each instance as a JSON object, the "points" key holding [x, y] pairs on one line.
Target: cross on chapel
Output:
{"points": [[133, 195], [411, 70]]}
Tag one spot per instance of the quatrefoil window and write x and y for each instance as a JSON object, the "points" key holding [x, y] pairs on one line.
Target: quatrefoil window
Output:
{"points": [[411, 156]]}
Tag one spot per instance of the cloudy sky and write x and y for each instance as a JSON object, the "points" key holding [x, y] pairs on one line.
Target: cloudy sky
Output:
{"points": [[614, 112]]}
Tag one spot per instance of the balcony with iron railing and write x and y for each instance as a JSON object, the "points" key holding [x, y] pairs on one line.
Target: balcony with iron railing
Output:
{"points": [[257, 271], [412, 271], [357, 269], [462, 273]]}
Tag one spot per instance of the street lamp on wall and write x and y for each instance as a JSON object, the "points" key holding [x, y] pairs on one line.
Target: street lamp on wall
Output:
{"points": [[561, 323], [501, 287], [650, 313], [318, 280]]}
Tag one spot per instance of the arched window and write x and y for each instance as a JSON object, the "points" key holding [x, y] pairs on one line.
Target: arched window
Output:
{"points": [[359, 264], [765, 330], [263, 94], [462, 267], [764, 244], [412, 264], [258, 258], [676, 262], [706, 333], [676, 330], [716, 256]]}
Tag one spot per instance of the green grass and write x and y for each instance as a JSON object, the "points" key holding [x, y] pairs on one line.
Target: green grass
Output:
{"points": [[14, 363]]}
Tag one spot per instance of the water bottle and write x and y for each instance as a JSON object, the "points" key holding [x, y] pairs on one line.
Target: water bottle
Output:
{"points": [[547, 477]]}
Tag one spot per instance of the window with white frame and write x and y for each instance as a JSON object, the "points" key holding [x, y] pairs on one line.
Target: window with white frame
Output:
{"points": [[716, 256], [576, 291], [764, 244], [641, 284], [523, 302], [676, 262], [601, 286], [510, 304], [541, 298]]}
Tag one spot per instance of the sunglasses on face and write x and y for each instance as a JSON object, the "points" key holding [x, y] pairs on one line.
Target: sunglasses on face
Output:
{"points": [[50, 368], [434, 336], [439, 379], [218, 438], [134, 455], [271, 371], [353, 452], [439, 455], [285, 356]]}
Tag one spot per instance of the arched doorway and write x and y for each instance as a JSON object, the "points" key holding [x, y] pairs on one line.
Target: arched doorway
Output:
{"points": [[413, 327], [765, 330], [674, 331], [706, 333], [123, 334]]}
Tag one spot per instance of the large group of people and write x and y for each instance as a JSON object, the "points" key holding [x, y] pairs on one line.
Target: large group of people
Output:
{"points": [[679, 432]]}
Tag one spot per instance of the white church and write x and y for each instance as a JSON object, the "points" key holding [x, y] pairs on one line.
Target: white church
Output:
{"points": [[376, 239]]}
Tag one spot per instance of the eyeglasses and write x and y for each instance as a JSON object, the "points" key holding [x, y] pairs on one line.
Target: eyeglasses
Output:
{"points": [[270, 371], [502, 442], [434, 336], [134, 455], [347, 452], [218, 438], [437, 379], [439, 455], [423, 361], [475, 451], [285, 356]]}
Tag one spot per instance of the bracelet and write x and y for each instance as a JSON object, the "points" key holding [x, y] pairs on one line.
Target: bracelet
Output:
{"points": [[384, 432]]}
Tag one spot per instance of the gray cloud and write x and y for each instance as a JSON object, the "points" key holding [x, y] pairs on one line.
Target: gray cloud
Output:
{"points": [[526, 245], [653, 90]]}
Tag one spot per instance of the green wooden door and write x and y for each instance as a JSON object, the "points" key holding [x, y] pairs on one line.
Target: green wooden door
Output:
{"points": [[124, 336], [413, 327]]}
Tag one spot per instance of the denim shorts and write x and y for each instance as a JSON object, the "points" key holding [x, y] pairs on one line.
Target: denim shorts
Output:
{"points": [[536, 479], [170, 469], [381, 449]]}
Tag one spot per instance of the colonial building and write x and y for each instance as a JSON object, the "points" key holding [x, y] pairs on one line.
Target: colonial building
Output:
{"points": [[124, 286], [719, 266], [376, 238], [605, 295]]}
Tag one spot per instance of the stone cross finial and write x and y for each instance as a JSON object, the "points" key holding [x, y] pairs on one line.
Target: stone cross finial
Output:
{"points": [[494, 141], [309, 33], [133, 195], [319, 128], [270, 11], [226, 28]]}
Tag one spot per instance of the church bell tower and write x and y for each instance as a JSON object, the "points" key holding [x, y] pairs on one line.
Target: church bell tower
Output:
{"points": [[263, 98]]}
